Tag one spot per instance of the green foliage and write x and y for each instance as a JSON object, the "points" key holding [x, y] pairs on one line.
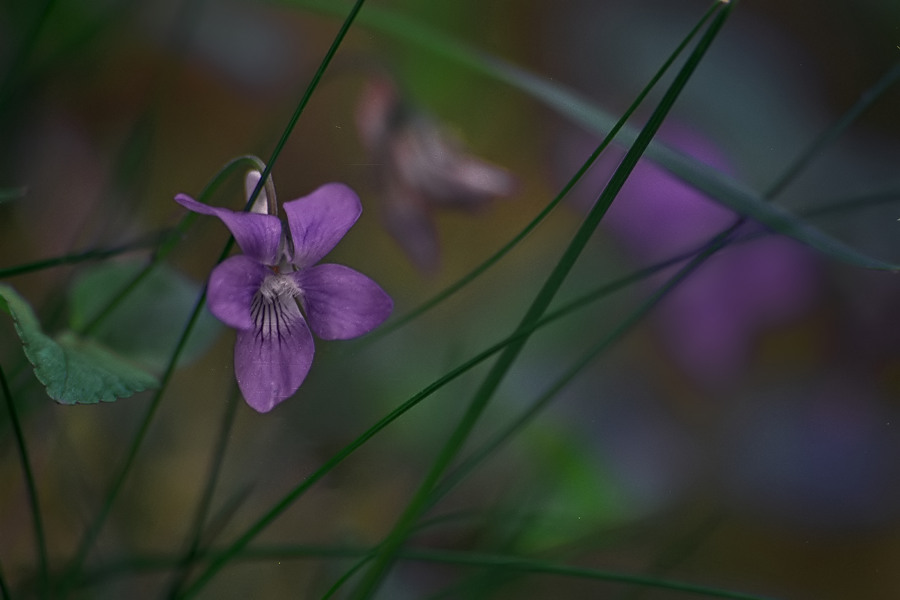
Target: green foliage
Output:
{"points": [[146, 324], [74, 371]]}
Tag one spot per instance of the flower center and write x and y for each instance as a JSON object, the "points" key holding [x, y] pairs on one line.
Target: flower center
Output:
{"points": [[274, 306], [278, 286]]}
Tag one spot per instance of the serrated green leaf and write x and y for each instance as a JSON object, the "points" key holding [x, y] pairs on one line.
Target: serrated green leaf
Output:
{"points": [[73, 371], [146, 325]]}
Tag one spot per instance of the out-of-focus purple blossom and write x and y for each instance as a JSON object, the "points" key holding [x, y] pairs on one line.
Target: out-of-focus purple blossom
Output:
{"points": [[656, 215], [710, 322], [261, 293], [422, 168]]}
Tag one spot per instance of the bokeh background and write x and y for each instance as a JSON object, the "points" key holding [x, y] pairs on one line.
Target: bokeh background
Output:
{"points": [[744, 436]]}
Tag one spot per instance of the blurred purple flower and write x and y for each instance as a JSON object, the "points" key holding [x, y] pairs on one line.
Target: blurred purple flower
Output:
{"points": [[422, 168], [710, 321], [261, 293]]}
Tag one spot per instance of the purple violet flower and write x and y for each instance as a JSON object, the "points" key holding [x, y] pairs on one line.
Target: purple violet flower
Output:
{"points": [[275, 292]]}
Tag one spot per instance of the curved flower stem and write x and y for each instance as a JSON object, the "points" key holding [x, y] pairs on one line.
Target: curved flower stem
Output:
{"points": [[24, 52], [395, 539], [37, 521]]}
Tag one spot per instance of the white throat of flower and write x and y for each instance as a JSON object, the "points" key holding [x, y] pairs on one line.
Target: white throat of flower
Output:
{"points": [[275, 305]]}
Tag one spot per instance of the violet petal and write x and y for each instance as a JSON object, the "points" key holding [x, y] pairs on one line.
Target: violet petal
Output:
{"points": [[408, 219], [259, 236], [272, 359], [318, 221], [341, 303], [433, 162], [232, 285]]}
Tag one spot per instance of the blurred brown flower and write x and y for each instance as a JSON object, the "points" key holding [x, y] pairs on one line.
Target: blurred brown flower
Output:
{"points": [[422, 167]]}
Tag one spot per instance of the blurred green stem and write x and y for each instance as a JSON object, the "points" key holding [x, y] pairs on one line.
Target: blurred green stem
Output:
{"points": [[205, 502], [93, 531], [37, 520], [88, 255], [448, 557], [835, 130], [23, 52], [4, 588]]}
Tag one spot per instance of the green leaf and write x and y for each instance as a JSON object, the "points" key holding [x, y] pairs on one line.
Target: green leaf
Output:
{"points": [[146, 325], [74, 371]]}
